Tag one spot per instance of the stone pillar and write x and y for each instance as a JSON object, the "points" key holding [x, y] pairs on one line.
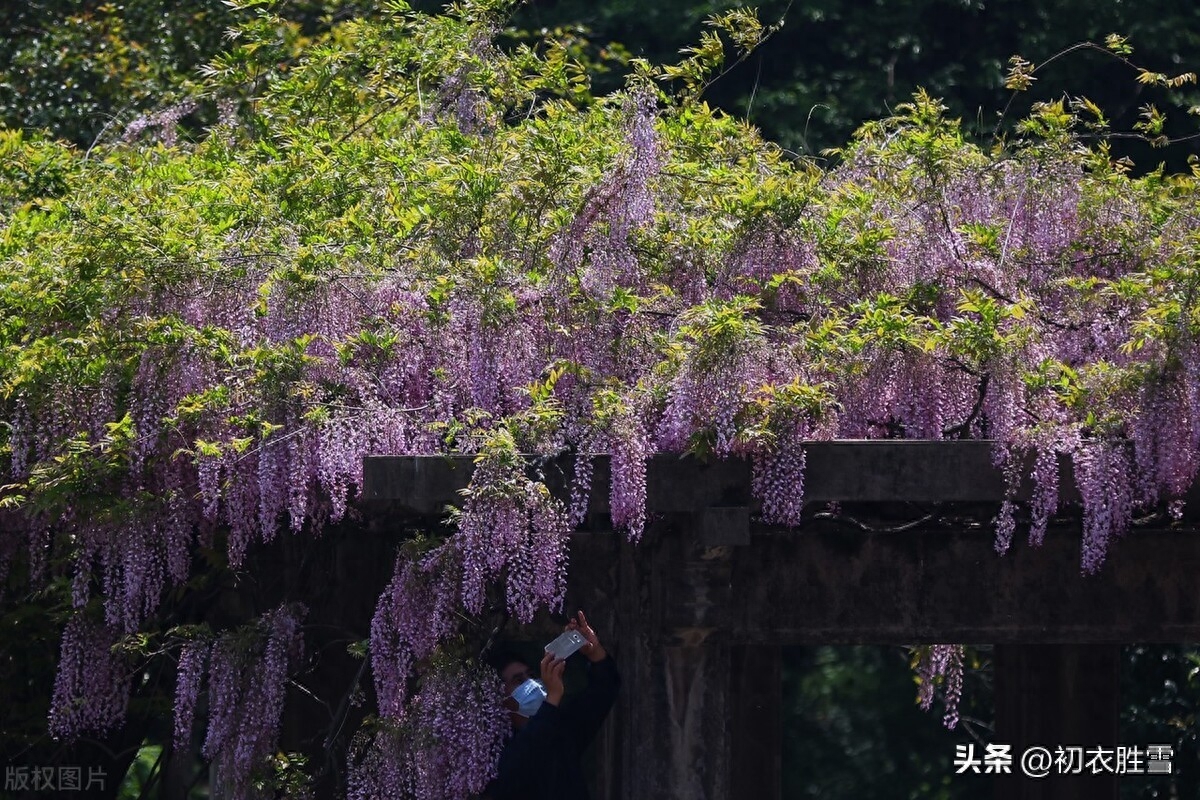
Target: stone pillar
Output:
{"points": [[755, 722], [700, 713], [1050, 695], [695, 680]]}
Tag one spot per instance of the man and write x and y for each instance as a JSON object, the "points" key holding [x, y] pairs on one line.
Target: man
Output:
{"points": [[541, 759]]}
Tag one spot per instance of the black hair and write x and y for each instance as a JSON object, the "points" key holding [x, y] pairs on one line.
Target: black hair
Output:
{"points": [[500, 657]]}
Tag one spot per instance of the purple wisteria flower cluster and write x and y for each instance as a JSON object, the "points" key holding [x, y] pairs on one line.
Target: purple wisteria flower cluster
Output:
{"points": [[414, 614], [942, 663], [247, 682], [445, 745], [91, 691], [193, 657], [197, 363]]}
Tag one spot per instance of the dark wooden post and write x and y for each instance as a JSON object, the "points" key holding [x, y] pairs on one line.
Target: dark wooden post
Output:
{"points": [[695, 679]]}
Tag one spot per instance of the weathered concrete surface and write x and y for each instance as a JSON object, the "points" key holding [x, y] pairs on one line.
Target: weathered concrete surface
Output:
{"points": [[847, 586], [851, 471], [851, 587]]}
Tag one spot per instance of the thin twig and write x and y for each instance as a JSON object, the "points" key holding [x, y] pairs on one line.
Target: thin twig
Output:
{"points": [[862, 526], [338, 721]]}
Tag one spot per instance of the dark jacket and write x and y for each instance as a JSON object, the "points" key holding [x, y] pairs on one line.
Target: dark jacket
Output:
{"points": [[541, 760]]}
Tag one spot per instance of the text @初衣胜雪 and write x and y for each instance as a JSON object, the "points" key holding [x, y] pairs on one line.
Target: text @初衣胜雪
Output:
{"points": [[1040, 762]]}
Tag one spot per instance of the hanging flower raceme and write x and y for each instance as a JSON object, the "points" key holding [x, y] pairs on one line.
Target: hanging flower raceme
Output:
{"points": [[630, 450], [598, 244], [247, 680], [721, 359], [193, 657], [512, 530], [444, 747], [778, 477], [415, 613], [941, 664], [1165, 459], [1102, 475], [91, 691], [465, 726]]}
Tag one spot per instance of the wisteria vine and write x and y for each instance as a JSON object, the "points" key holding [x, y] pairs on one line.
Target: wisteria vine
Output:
{"points": [[203, 339]]}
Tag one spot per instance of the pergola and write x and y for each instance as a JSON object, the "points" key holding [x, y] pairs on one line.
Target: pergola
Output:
{"points": [[697, 612]]}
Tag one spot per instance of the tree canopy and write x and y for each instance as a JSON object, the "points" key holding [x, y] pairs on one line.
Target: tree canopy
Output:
{"points": [[399, 237]]}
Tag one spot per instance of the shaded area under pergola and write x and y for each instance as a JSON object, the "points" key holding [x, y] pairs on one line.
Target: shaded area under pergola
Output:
{"points": [[697, 612]]}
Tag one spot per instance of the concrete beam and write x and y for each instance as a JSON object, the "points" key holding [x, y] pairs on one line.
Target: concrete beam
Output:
{"points": [[828, 586], [846, 471], [837, 586]]}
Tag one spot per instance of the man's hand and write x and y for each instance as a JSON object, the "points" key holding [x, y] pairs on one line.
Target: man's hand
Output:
{"points": [[552, 678], [593, 649]]}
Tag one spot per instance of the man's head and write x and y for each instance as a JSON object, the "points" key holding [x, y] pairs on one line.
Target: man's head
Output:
{"points": [[513, 670], [514, 673]]}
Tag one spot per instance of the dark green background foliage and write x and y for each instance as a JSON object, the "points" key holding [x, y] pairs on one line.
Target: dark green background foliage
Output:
{"points": [[852, 728], [1160, 685], [836, 63], [73, 66]]}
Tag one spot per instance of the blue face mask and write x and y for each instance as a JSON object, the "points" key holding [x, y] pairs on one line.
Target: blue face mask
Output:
{"points": [[529, 696]]}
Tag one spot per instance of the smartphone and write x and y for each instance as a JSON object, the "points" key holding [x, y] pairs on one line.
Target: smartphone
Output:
{"points": [[566, 644]]}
